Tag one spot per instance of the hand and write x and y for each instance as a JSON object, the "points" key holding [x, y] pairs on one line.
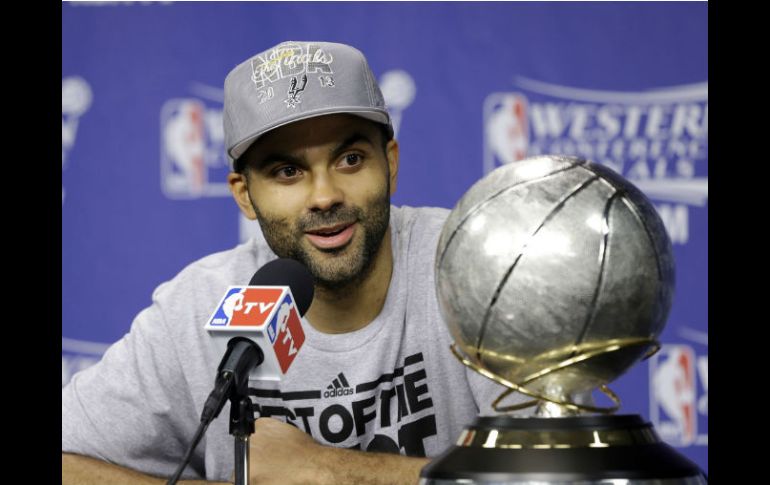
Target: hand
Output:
{"points": [[282, 454]]}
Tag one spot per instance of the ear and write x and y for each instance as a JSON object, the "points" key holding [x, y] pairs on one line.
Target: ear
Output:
{"points": [[391, 152], [240, 190]]}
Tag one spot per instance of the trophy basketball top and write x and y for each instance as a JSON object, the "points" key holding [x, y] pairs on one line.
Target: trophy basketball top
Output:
{"points": [[554, 275]]}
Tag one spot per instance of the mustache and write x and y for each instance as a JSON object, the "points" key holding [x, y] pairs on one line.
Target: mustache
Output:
{"points": [[335, 215]]}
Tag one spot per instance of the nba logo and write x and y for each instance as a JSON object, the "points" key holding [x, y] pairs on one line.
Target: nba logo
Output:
{"points": [[224, 312], [183, 137], [506, 129], [673, 394]]}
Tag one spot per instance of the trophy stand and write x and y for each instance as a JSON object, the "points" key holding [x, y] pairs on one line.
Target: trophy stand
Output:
{"points": [[504, 450]]}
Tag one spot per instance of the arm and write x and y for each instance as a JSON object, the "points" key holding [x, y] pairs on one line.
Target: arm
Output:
{"points": [[81, 470], [124, 410], [282, 454]]}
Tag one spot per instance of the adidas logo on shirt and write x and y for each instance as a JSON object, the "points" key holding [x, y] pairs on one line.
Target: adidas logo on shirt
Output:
{"points": [[338, 387]]}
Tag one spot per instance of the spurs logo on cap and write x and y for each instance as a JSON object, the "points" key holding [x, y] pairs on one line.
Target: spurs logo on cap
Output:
{"points": [[295, 91]]}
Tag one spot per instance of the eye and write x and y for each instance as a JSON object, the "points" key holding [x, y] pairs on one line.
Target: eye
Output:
{"points": [[351, 160], [287, 173]]}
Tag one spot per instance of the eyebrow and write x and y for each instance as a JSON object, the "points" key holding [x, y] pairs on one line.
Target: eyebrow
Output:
{"points": [[273, 158], [348, 142]]}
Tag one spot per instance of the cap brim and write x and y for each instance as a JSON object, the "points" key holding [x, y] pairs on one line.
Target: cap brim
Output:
{"points": [[378, 116]]}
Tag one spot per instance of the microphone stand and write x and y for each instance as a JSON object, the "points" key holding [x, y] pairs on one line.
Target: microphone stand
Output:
{"points": [[232, 383], [241, 427]]}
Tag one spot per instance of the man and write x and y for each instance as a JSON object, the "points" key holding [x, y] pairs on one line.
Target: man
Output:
{"points": [[315, 163]]}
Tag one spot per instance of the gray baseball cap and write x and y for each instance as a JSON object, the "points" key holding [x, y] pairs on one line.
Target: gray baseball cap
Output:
{"points": [[294, 81]]}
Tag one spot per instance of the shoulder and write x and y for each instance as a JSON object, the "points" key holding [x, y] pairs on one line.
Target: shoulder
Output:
{"points": [[419, 223], [215, 272], [416, 235]]}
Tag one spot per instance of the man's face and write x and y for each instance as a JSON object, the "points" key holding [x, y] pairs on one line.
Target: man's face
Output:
{"points": [[320, 189]]}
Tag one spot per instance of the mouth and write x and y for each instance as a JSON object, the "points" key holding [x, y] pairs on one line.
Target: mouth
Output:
{"points": [[331, 237]]}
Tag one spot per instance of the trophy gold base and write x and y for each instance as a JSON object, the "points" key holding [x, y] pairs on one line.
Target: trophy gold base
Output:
{"points": [[504, 450]]}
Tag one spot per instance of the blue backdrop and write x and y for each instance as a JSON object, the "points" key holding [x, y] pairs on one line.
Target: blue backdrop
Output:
{"points": [[471, 86]]}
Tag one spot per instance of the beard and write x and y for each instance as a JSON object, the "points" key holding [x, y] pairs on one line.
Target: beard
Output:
{"points": [[338, 268]]}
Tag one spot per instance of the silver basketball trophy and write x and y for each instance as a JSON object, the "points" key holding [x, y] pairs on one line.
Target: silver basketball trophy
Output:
{"points": [[554, 276]]}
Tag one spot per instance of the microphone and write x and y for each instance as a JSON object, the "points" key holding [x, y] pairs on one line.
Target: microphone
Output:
{"points": [[291, 273], [263, 315]]}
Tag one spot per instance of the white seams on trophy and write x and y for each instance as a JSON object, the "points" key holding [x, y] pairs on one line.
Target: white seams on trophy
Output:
{"points": [[555, 275]]}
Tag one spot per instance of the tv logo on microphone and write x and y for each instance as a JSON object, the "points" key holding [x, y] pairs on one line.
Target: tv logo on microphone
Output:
{"points": [[285, 333], [268, 315], [244, 306]]}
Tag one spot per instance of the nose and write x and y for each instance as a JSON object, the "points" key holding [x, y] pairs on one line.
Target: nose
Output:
{"points": [[325, 193]]}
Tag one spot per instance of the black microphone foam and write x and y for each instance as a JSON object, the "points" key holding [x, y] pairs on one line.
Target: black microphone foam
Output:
{"points": [[291, 273]]}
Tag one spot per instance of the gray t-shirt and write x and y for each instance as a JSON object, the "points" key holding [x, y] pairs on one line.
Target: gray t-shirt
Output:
{"points": [[390, 386]]}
